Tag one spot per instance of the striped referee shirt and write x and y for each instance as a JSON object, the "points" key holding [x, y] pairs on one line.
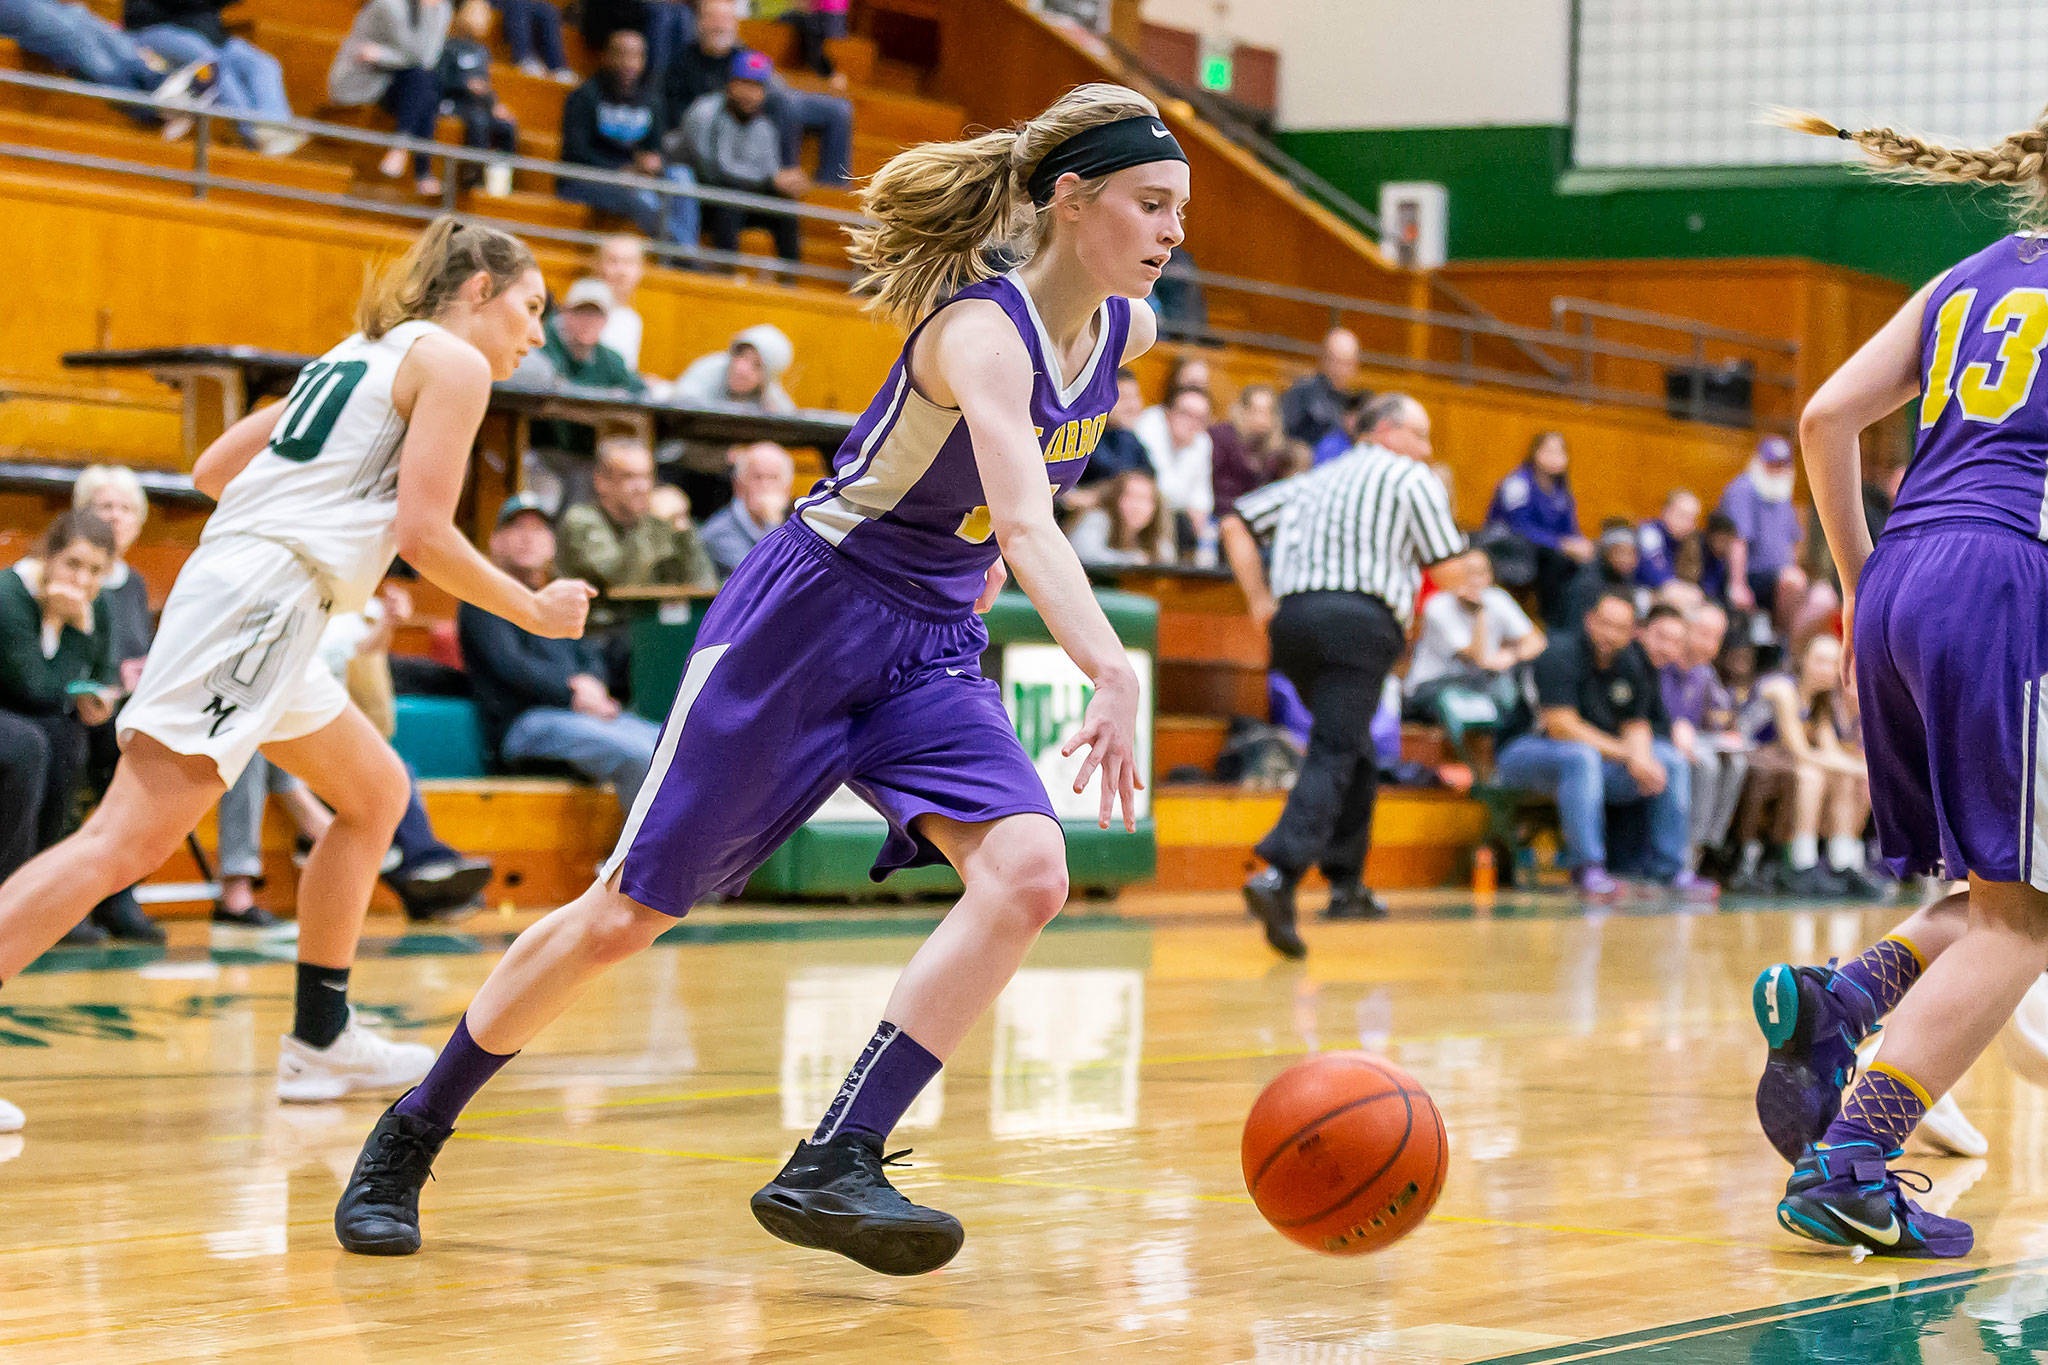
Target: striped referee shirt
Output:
{"points": [[1366, 522]]}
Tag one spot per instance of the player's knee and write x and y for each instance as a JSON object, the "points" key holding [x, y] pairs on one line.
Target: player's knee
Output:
{"points": [[1040, 887], [616, 927], [378, 796]]}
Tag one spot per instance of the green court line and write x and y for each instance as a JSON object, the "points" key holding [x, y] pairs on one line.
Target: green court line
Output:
{"points": [[1723, 1323]]}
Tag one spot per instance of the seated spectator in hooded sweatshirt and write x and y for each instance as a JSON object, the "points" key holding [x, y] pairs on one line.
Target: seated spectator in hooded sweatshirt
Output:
{"points": [[702, 66], [732, 142], [614, 122], [1662, 541], [748, 372]]}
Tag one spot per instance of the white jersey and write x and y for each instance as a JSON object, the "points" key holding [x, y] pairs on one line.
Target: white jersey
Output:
{"points": [[326, 487]]}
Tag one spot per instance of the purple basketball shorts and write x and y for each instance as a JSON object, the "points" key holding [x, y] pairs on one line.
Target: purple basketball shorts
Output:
{"points": [[808, 673], [1951, 656]]}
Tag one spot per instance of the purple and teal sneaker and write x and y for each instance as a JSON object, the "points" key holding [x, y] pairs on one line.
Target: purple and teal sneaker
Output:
{"points": [[1844, 1196], [1812, 1018]]}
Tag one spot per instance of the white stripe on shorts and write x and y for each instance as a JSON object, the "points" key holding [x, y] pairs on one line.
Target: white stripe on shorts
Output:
{"points": [[2034, 813], [694, 678]]}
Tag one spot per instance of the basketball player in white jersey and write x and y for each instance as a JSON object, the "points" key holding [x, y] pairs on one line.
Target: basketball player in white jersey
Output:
{"points": [[364, 459]]}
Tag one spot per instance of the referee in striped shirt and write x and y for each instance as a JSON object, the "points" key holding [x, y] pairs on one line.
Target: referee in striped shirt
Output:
{"points": [[1349, 541]]}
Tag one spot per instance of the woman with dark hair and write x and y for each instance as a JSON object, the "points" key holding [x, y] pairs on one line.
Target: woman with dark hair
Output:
{"points": [[1535, 502], [1128, 528], [57, 677]]}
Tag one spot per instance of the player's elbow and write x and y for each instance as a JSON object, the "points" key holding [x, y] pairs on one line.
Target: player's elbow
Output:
{"points": [[415, 539], [1825, 416]]}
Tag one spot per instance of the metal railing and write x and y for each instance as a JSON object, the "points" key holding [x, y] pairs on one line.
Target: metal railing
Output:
{"points": [[202, 178], [1563, 359]]}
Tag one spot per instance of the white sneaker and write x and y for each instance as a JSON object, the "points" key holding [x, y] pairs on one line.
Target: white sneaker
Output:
{"points": [[1945, 1127], [357, 1060], [11, 1118]]}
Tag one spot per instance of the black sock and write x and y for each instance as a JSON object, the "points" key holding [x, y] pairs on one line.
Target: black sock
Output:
{"points": [[322, 1004]]}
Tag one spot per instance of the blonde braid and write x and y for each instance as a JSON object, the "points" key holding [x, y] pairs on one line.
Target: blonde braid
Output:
{"points": [[2018, 161]]}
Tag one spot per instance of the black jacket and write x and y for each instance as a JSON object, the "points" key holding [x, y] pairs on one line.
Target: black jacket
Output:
{"points": [[512, 671], [201, 16], [604, 128]]}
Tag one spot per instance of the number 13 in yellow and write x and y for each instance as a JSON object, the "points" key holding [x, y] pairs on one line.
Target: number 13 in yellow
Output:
{"points": [[1989, 391]]}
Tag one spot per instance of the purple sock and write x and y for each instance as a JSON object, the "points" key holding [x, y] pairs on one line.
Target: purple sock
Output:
{"points": [[882, 1086], [457, 1074], [1884, 972]]}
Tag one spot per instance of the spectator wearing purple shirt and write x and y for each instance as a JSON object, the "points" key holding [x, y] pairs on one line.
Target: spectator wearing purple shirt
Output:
{"points": [[1535, 503], [1660, 540], [1247, 449], [1702, 716], [1763, 565]]}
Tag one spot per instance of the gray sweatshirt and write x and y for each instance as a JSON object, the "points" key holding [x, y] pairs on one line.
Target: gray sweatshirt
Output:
{"points": [[390, 24], [727, 151]]}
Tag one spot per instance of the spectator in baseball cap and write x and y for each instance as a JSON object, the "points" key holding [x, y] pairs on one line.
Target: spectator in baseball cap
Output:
{"points": [[1763, 563], [732, 141]]}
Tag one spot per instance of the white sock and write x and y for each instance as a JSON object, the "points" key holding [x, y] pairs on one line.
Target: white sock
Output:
{"points": [[1803, 852], [1844, 852]]}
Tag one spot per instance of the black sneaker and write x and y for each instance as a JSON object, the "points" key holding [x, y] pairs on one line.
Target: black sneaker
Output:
{"points": [[255, 917], [84, 934], [834, 1197], [1816, 883], [1353, 902], [379, 1212], [1859, 885], [121, 916], [439, 884], [440, 915], [1269, 899]]}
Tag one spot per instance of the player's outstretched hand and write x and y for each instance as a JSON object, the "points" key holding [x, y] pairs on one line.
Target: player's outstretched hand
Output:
{"points": [[560, 609], [1110, 730]]}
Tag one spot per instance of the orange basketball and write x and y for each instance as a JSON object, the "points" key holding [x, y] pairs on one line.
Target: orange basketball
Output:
{"points": [[1345, 1153]]}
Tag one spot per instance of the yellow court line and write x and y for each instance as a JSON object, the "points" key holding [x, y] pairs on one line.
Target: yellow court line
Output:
{"points": [[739, 1093]]}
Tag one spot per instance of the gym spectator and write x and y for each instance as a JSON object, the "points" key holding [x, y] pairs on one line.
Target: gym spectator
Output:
{"points": [[1613, 569], [762, 479], [1189, 370], [1314, 405], [1717, 542], [733, 143], [1129, 528], [112, 493], [1340, 439], [1119, 451], [245, 76], [704, 66], [466, 86], [666, 26], [1662, 540], [543, 700], [1176, 440], [1702, 716], [533, 35], [748, 372], [1535, 503], [558, 464], [614, 121], [1247, 449], [816, 22], [58, 677], [1474, 636], [1801, 727], [1591, 745], [1763, 562], [617, 541], [391, 58], [85, 47], [622, 265]]}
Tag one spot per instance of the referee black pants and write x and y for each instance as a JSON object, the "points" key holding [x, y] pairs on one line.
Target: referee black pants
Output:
{"points": [[1337, 649]]}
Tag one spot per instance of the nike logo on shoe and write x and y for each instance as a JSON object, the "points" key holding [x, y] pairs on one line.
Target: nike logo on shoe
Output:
{"points": [[1886, 1236]]}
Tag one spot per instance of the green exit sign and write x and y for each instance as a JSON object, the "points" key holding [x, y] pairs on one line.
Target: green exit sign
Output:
{"points": [[1216, 74]]}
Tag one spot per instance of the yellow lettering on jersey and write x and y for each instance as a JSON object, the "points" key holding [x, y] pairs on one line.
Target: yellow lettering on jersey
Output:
{"points": [[976, 526], [1056, 449], [1094, 436]]}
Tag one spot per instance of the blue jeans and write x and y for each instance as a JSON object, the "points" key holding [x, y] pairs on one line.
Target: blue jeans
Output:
{"points": [[1584, 785], [247, 77], [618, 751], [671, 26], [797, 112], [413, 99], [533, 28], [78, 42], [672, 218]]}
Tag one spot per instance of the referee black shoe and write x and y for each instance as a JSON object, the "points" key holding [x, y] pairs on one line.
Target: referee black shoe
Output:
{"points": [[834, 1196], [1269, 899], [379, 1212], [1353, 902]]}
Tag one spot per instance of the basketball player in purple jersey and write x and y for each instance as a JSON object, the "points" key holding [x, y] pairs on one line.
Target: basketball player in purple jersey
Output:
{"points": [[847, 648], [1946, 648]]}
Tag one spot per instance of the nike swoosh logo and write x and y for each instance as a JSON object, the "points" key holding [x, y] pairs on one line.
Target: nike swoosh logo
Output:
{"points": [[1888, 1235], [956, 672], [333, 986], [1161, 132]]}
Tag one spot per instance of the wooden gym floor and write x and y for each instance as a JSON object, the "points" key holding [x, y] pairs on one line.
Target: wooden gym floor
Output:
{"points": [[1609, 1196]]}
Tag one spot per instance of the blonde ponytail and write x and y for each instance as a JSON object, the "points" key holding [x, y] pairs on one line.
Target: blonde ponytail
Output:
{"points": [[2018, 161], [938, 209], [434, 268]]}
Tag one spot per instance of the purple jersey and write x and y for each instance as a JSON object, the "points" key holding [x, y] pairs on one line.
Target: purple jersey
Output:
{"points": [[904, 500], [1983, 439]]}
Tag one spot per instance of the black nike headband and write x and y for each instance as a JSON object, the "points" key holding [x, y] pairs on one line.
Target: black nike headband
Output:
{"points": [[1104, 150]]}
